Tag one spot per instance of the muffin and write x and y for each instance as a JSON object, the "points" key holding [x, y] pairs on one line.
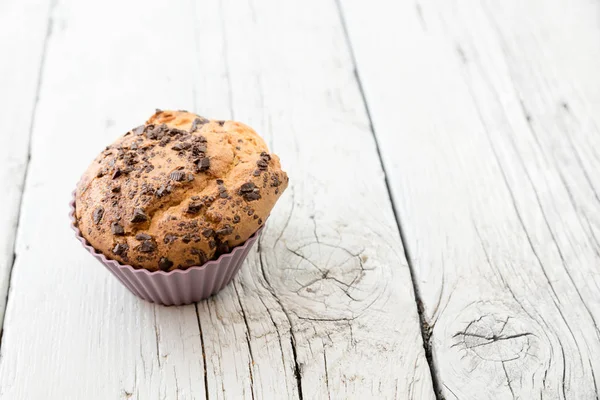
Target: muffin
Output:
{"points": [[177, 192]]}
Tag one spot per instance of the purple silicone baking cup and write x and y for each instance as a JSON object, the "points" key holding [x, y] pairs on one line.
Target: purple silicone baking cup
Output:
{"points": [[175, 287]]}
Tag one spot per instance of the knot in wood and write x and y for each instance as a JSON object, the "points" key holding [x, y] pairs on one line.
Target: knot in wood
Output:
{"points": [[495, 339]]}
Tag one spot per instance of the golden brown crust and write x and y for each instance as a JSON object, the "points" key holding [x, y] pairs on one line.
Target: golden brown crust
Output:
{"points": [[178, 191]]}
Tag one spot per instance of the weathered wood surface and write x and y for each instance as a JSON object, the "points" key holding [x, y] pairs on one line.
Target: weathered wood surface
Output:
{"points": [[487, 114], [324, 307], [20, 63]]}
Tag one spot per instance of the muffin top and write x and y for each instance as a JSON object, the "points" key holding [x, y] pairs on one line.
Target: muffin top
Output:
{"points": [[178, 191]]}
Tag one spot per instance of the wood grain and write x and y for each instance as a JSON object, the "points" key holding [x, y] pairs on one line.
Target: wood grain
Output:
{"points": [[19, 83], [487, 114], [324, 307]]}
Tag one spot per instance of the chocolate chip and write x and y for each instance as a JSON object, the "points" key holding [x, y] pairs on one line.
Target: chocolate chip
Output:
{"points": [[116, 189], [256, 172], [169, 239], [260, 221], [117, 229], [221, 123], [139, 216], [264, 155], [139, 130], [120, 249], [208, 233], [158, 111], [177, 176], [143, 236], [198, 122], [223, 195], [220, 181], [97, 215], [190, 177], [147, 246], [117, 173], [186, 239], [100, 174], [237, 237], [203, 164], [195, 197], [212, 244], [164, 264], [181, 146], [236, 219], [134, 146]]}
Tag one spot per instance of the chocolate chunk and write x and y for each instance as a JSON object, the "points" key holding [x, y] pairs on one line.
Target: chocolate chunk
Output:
{"points": [[164, 141], [139, 216], [223, 194], [221, 122], [139, 130], [265, 156], [200, 139], [195, 197], [117, 229], [249, 191], [181, 146], [201, 255], [194, 208], [247, 187], [177, 176], [237, 237], [212, 244], [226, 230], [198, 149], [100, 174], [208, 233], [177, 132], [164, 264], [223, 248], [220, 182], [203, 164], [186, 239], [117, 173], [275, 181], [143, 236], [198, 122], [116, 189], [190, 177], [163, 190], [169, 239], [97, 215], [147, 246], [236, 219], [256, 172], [120, 249], [262, 164]]}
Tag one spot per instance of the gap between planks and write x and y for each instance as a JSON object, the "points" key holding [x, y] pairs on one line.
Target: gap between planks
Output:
{"points": [[424, 325]]}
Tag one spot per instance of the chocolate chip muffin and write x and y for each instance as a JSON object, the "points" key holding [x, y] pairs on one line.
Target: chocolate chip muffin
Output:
{"points": [[178, 191]]}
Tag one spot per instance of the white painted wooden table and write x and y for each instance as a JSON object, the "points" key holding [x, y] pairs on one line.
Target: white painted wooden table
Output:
{"points": [[440, 237]]}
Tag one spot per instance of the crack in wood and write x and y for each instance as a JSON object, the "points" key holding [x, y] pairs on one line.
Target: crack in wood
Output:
{"points": [[203, 352]]}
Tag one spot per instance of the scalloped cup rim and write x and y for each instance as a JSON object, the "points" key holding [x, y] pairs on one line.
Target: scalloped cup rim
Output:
{"points": [[104, 259]]}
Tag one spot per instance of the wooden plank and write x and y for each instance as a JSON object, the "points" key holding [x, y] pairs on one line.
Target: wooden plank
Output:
{"points": [[19, 70], [487, 114], [325, 308]]}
